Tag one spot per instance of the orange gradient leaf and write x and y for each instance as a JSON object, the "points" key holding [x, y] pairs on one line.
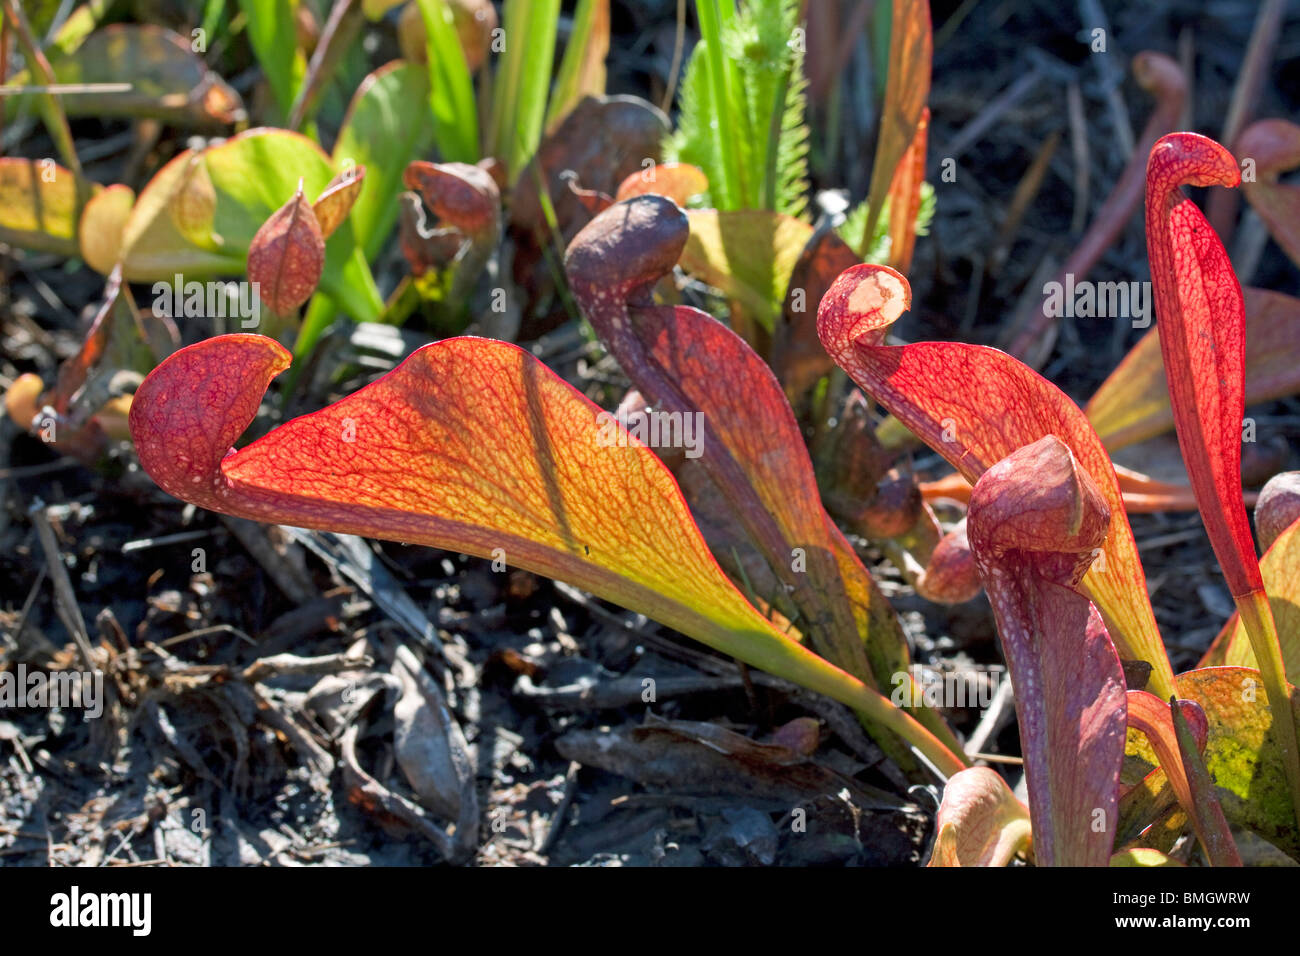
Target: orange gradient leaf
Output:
{"points": [[905, 197], [679, 182], [470, 445], [333, 205], [911, 48], [974, 406]]}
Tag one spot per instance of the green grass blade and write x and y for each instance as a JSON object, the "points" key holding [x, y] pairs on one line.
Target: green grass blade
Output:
{"points": [[273, 34], [728, 192], [533, 89], [451, 88], [582, 70]]}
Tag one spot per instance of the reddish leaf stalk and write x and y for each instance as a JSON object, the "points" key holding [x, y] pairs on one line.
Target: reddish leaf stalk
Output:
{"points": [[1180, 761], [1202, 321], [1035, 521]]}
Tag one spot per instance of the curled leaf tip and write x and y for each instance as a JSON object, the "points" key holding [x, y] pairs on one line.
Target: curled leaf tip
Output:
{"points": [[861, 304], [185, 422], [1189, 159], [1038, 498], [1159, 75], [464, 196], [629, 246]]}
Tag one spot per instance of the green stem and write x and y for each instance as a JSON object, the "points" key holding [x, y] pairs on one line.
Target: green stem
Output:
{"points": [[1257, 618], [711, 18]]}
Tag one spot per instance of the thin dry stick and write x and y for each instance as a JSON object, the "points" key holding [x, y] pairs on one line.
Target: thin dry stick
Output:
{"points": [[679, 43], [1082, 166], [65, 599]]}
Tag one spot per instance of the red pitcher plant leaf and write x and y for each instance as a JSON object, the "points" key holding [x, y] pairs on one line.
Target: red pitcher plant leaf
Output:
{"points": [[980, 822], [470, 445], [974, 406], [950, 576], [1155, 719], [1036, 520], [1202, 319], [693, 369]]}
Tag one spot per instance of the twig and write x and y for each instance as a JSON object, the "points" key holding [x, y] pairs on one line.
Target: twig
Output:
{"points": [[65, 599]]}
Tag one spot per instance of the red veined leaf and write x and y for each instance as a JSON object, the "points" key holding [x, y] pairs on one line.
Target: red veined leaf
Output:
{"points": [[686, 363], [1273, 146], [1202, 320], [679, 182], [474, 446], [1035, 522], [1155, 718], [975, 405], [980, 822], [905, 197], [287, 255], [459, 194], [1133, 403], [907, 87]]}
